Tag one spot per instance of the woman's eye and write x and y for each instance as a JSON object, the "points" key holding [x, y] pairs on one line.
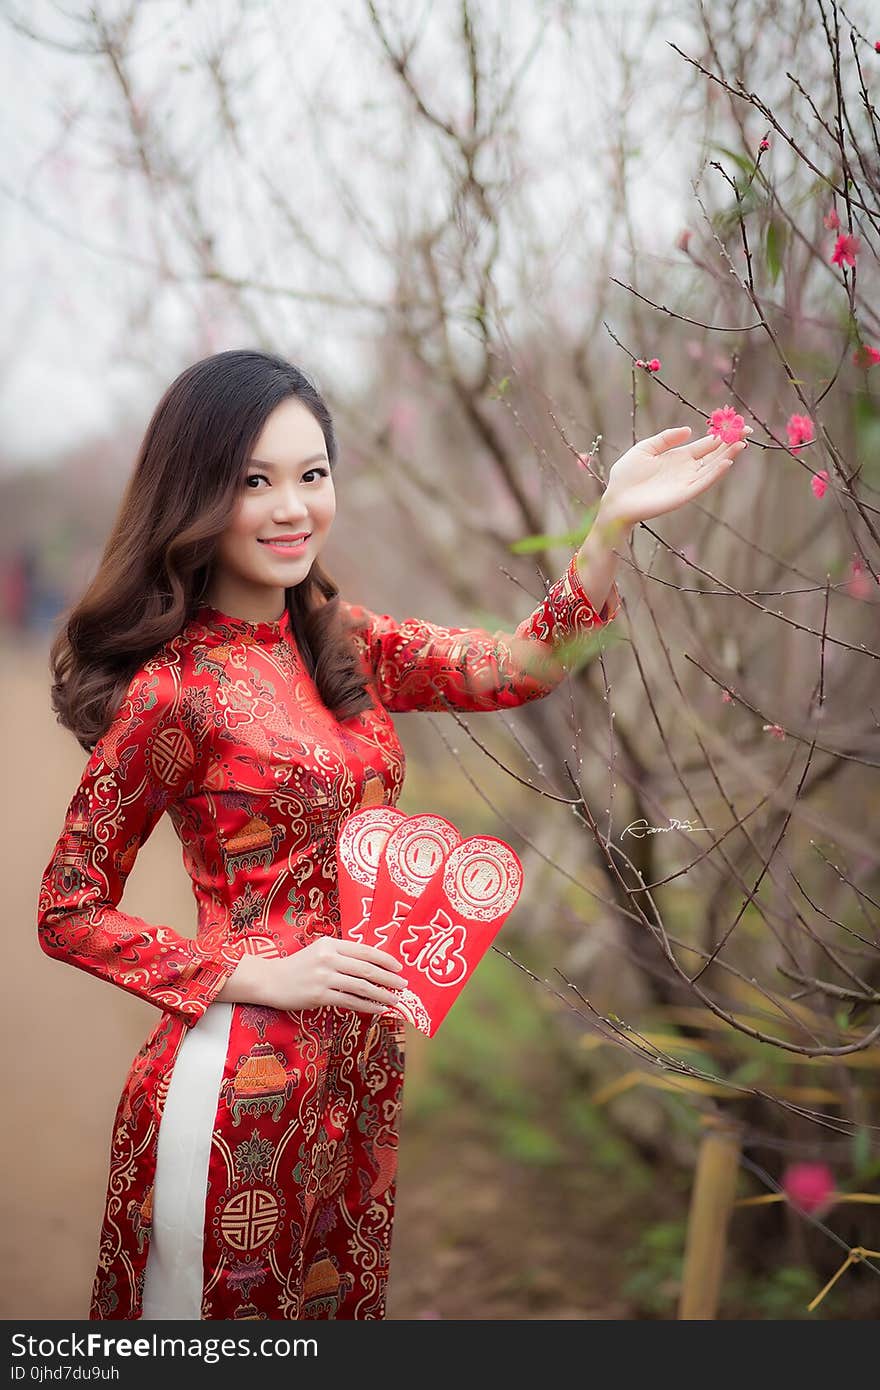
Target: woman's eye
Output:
{"points": [[322, 472]]}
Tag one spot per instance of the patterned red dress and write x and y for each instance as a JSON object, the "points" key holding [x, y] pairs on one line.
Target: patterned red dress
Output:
{"points": [[267, 1191]]}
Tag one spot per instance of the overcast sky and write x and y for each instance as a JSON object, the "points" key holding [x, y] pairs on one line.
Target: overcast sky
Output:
{"points": [[72, 222]]}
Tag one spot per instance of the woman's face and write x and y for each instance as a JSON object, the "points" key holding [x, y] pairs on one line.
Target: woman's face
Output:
{"points": [[286, 489]]}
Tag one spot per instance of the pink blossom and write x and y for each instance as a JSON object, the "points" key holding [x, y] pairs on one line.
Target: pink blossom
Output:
{"points": [[801, 431], [846, 248], [858, 584], [684, 237], [877, 46], [809, 1186], [654, 364], [727, 697], [865, 356], [726, 425], [403, 418], [775, 729], [819, 482], [765, 144], [831, 220]]}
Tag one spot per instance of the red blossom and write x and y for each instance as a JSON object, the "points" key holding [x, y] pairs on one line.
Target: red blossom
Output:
{"points": [[809, 1186], [877, 46], [831, 220], [846, 248], [819, 482], [765, 144], [865, 356], [726, 425], [775, 729], [800, 431], [654, 364]]}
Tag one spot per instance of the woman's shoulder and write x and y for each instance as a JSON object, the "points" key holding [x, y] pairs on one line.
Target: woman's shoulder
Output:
{"points": [[159, 683]]}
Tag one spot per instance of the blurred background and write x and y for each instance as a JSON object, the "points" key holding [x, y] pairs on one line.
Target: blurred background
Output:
{"points": [[479, 226]]}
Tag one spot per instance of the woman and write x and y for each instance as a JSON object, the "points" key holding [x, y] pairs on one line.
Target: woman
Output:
{"points": [[213, 671]]}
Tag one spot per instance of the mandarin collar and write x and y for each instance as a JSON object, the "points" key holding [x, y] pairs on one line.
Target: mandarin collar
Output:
{"points": [[261, 631]]}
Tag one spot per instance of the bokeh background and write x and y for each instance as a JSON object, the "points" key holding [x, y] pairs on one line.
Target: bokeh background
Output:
{"points": [[469, 222]]}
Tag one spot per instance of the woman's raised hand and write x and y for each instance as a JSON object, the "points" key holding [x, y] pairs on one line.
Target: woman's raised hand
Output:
{"points": [[661, 473]]}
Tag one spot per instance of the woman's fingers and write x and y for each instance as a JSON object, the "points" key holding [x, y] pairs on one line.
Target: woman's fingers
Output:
{"points": [[340, 1000], [701, 447], [361, 951], [708, 449], [365, 970], [666, 439], [355, 984]]}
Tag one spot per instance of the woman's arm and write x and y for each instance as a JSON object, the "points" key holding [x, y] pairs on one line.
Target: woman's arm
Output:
{"points": [[419, 665], [145, 760], [597, 558]]}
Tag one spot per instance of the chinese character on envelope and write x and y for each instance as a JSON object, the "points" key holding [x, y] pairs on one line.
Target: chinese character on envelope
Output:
{"points": [[413, 887]]}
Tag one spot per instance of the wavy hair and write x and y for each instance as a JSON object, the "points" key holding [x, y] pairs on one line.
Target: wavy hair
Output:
{"points": [[158, 560]]}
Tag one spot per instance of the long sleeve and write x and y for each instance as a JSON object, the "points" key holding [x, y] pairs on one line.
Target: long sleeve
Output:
{"points": [[418, 665], [144, 761]]}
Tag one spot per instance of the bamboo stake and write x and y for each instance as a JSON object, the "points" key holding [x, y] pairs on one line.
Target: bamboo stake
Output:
{"points": [[711, 1203]]}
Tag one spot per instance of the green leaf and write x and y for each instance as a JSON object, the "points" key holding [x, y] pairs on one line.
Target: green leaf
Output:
{"points": [[528, 544], [747, 165], [861, 1149], [774, 246]]}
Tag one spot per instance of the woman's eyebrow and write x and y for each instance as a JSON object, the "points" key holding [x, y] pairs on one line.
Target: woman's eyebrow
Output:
{"points": [[314, 459]]}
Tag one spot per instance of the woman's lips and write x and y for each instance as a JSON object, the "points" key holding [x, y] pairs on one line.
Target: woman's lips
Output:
{"points": [[286, 548]]}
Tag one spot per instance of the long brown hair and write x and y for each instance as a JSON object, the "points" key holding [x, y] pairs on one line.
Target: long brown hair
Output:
{"points": [[157, 562]]}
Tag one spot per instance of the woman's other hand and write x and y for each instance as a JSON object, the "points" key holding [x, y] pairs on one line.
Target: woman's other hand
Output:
{"points": [[663, 472], [333, 970]]}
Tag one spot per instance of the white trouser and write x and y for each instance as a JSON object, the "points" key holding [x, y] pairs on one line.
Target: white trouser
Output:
{"points": [[173, 1280]]}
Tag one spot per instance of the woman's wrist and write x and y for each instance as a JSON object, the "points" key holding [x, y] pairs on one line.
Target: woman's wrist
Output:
{"points": [[596, 561], [610, 525], [247, 983]]}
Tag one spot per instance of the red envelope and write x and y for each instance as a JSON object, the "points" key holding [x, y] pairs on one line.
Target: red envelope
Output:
{"points": [[359, 847], [413, 853], [452, 925]]}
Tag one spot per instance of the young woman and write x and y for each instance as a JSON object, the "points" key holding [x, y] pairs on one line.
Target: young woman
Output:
{"points": [[213, 671]]}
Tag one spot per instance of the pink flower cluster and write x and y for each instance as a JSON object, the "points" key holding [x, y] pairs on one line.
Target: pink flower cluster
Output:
{"points": [[865, 356], [726, 425], [775, 729], [819, 482], [809, 1186], [858, 585], [846, 248], [800, 431], [651, 366]]}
